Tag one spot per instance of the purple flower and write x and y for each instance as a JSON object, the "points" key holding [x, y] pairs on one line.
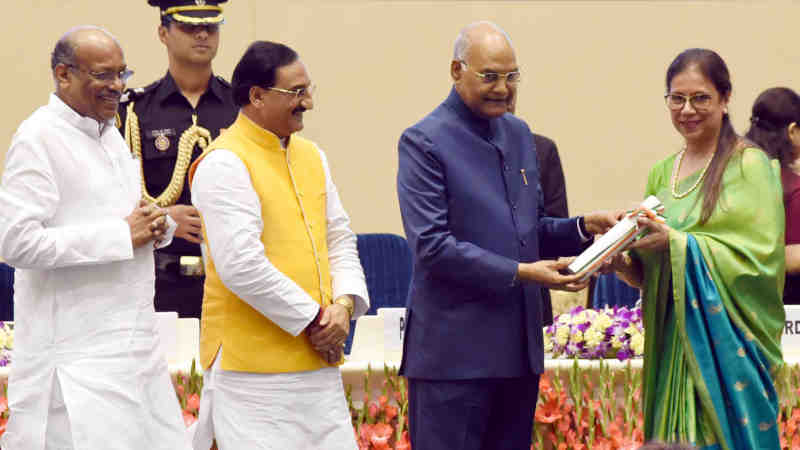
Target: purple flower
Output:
{"points": [[624, 354]]}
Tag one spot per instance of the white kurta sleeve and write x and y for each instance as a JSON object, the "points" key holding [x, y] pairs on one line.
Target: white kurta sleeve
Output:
{"points": [[346, 271], [29, 198], [231, 210]]}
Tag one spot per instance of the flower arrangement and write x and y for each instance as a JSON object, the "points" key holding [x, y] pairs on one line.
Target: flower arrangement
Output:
{"points": [[578, 409], [381, 424], [188, 388], [584, 409], [6, 342], [594, 334]]}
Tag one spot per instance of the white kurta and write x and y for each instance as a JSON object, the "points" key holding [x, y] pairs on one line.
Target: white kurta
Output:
{"points": [[84, 317], [301, 410]]}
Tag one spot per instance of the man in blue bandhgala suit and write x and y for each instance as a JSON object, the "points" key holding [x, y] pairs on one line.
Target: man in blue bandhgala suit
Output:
{"points": [[468, 186]]}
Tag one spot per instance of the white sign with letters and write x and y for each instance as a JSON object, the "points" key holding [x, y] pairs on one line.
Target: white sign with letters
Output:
{"points": [[791, 331], [394, 325]]}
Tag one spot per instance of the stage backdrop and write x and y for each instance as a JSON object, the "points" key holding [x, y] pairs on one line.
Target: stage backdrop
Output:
{"points": [[593, 74]]}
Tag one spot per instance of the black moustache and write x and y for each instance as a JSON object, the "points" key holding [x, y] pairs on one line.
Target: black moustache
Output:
{"points": [[297, 110]]}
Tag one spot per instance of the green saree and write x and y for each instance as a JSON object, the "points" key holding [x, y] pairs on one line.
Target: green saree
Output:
{"points": [[713, 312]]}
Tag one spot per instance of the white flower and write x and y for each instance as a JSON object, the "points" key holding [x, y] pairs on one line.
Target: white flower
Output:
{"points": [[562, 335], [577, 337], [548, 344], [579, 318], [616, 343], [4, 339], [593, 337], [637, 343], [603, 321]]}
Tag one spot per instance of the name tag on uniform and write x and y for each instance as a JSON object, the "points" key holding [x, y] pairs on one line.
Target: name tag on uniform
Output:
{"points": [[790, 342]]}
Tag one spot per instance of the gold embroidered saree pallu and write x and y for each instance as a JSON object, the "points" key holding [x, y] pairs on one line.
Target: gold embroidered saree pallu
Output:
{"points": [[713, 311]]}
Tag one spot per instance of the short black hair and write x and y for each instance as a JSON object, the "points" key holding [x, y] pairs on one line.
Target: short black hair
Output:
{"points": [[258, 66]]}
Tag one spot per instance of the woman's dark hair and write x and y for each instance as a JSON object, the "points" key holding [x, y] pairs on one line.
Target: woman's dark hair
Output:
{"points": [[257, 68], [711, 65], [772, 113]]}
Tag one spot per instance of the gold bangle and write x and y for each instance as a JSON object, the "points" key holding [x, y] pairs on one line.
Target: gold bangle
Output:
{"points": [[347, 302]]}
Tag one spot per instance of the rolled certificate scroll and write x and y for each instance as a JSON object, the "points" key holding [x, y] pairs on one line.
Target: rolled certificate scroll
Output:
{"points": [[615, 240]]}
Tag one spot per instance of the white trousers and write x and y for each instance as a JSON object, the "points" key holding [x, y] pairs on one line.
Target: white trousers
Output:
{"points": [[256, 411]]}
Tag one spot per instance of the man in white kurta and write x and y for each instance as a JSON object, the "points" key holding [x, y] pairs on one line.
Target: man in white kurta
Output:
{"points": [[87, 372], [275, 408]]}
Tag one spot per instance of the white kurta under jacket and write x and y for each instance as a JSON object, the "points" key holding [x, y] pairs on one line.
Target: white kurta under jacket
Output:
{"points": [[296, 410], [83, 296]]}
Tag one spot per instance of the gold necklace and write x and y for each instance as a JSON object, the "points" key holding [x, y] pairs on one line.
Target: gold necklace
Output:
{"points": [[678, 171]]}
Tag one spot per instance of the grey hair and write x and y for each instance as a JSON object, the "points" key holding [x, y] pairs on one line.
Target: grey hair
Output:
{"points": [[64, 51], [463, 40]]}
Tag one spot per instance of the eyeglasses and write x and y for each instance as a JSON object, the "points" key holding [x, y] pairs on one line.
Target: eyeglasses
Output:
{"points": [[297, 93], [108, 76], [494, 77], [676, 102]]}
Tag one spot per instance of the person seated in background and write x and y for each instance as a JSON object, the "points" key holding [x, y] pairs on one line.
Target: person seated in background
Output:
{"points": [[775, 127]]}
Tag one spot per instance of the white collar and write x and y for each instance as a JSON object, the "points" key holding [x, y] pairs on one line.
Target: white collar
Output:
{"points": [[90, 126]]}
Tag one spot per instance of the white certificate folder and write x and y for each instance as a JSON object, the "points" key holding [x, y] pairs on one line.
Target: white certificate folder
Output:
{"points": [[615, 240]]}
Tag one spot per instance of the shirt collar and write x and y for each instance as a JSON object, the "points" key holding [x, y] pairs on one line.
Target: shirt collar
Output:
{"points": [[168, 87], [481, 125], [89, 126]]}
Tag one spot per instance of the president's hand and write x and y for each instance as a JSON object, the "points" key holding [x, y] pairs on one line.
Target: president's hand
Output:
{"points": [[599, 222], [190, 227], [146, 222], [547, 273]]}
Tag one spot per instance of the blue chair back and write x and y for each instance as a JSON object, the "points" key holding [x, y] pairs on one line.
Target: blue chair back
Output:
{"points": [[611, 291], [386, 259], [6, 292]]}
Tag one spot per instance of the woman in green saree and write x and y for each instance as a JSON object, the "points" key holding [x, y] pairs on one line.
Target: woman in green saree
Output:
{"points": [[712, 275]]}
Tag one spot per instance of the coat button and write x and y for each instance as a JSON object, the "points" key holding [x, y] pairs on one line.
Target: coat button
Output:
{"points": [[505, 167], [522, 242]]}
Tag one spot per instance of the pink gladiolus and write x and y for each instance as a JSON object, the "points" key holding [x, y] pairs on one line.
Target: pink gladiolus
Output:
{"points": [[188, 418], [372, 410], [193, 403], [390, 412], [381, 433]]}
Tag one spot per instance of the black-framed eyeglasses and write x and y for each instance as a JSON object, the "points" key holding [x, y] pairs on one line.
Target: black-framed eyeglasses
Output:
{"points": [[512, 77], [108, 76], [676, 102], [297, 93]]}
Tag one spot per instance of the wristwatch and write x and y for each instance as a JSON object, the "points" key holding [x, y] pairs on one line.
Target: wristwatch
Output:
{"points": [[347, 302]]}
